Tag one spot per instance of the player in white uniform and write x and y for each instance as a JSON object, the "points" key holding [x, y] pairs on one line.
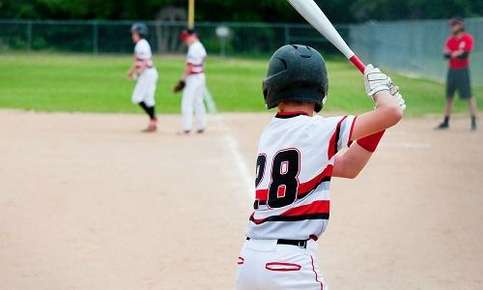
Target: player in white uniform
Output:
{"points": [[144, 72], [193, 84], [298, 154]]}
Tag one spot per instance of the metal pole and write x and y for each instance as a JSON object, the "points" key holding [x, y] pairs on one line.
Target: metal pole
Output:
{"points": [[191, 14], [95, 37], [29, 35], [223, 47], [287, 33]]}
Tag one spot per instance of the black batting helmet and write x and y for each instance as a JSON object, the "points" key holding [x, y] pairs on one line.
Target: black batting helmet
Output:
{"points": [[296, 73], [140, 28]]}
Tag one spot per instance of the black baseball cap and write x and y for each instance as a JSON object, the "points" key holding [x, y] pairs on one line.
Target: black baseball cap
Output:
{"points": [[456, 20]]}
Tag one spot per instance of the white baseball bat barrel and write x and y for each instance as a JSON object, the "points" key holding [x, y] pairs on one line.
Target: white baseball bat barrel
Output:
{"points": [[314, 15]]}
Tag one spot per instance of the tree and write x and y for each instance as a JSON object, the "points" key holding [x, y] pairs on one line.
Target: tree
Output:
{"points": [[340, 11]]}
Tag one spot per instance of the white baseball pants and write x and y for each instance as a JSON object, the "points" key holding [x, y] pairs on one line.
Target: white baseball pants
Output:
{"points": [[145, 88], [264, 265], [192, 101]]}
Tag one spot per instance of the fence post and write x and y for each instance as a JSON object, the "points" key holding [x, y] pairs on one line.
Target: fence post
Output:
{"points": [[286, 33], [95, 37], [29, 35]]}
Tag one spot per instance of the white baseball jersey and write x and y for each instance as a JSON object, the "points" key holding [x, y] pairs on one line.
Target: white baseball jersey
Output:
{"points": [[195, 58], [296, 156], [145, 88], [143, 54]]}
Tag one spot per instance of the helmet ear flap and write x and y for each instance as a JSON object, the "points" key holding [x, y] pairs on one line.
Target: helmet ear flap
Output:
{"points": [[318, 108], [265, 91]]}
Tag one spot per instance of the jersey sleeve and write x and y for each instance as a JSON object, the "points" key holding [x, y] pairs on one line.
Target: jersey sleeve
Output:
{"points": [[143, 50], [345, 126], [446, 45], [469, 44], [340, 132], [196, 55]]}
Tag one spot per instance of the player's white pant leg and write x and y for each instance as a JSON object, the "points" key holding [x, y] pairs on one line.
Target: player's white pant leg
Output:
{"points": [[264, 265], [200, 111], [187, 106], [151, 87], [145, 88], [192, 100]]}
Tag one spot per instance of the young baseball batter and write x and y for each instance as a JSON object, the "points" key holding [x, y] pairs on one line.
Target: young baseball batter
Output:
{"points": [[193, 84], [298, 154], [144, 72]]}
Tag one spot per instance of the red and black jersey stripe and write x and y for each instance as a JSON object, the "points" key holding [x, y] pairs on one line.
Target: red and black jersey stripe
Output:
{"points": [[192, 66], [334, 140], [319, 209], [304, 189]]}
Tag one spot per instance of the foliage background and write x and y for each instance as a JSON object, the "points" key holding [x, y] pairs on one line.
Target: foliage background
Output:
{"points": [[344, 11]]}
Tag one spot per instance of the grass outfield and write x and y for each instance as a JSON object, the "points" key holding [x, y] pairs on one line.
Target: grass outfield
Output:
{"points": [[83, 83]]}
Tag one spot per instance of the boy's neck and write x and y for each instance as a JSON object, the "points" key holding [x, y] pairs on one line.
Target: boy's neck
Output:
{"points": [[459, 34], [192, 40], [287, 108]]}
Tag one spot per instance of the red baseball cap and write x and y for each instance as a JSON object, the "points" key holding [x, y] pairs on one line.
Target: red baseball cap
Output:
{"points": [[186, 33]]}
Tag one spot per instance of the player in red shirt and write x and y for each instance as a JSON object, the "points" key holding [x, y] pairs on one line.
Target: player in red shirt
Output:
{"points": [[457, 50]]}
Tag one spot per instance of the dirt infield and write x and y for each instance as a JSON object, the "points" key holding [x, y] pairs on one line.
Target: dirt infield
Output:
{"points": [[87, 202]]}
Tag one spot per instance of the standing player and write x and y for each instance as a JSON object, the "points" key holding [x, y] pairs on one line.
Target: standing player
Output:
{"points": [[457, 50], [298, 154], [143, 70], [193, 84]]}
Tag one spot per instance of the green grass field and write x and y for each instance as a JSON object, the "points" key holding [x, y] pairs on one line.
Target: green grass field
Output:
{"points": [[83, 83]]}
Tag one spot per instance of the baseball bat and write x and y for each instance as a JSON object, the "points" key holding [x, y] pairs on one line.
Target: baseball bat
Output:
{"points": [[314, 15]]}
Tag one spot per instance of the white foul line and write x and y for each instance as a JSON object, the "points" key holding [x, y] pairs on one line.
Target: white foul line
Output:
{"points": [[240, 163], [233, 147], [409, 145], [210, 102]]}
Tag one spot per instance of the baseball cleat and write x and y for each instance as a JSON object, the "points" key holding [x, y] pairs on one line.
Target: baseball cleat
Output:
{"points": [[152, 127], [474, 125], [200, 131], [442, 126], [183, 132]]}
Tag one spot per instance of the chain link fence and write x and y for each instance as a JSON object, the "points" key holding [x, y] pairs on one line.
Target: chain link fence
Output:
{"points": [[410, 47], [114, 37], [414, 47]]}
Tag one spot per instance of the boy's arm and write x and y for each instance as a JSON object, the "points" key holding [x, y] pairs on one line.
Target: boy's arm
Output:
{"points": [[187, 71], [464, 52], [350, 163], [369, 127], [389, 105], [132, 69], [446, 50]]}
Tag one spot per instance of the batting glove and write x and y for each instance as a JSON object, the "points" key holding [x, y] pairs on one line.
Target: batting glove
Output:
{"points": [[375, 81], [394, 90]]}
